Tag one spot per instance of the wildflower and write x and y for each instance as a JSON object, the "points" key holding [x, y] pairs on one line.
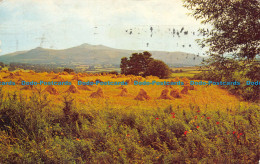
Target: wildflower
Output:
{"points": [[120, 149], [185, 133], [198, 111], [173, 113], [234, 132], [202, 116], [77, 139], [128, 135], [241, 134], [196, 117], [173, 116], [217, 122], [157, 118], [198, 127], [109, 126], [46, 151], [208, 118]]}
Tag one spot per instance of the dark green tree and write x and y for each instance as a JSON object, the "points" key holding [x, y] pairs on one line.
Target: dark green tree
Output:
{"points": [[137, 63], [158, 68], [233, 41], [140, 64], [235, 26], [124, 65]]}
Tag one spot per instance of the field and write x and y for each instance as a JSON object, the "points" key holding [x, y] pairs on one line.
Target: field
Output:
{"points": [[124, 124], [185, 72]]}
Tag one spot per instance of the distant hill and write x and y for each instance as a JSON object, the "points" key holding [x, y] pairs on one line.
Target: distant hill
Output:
{"points": [[94, 54]]}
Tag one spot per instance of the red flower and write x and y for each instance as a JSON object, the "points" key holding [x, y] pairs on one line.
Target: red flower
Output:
{"points": [[195, 117], [208, 118], [157, 118], [202, 116], [234, 132], [120, 149], [237, 136], [173, 113], [217, 123], [198, 111], [109, 126], [173, 116], [241, 134], [185, 133], [198, 127], [127, 135]]}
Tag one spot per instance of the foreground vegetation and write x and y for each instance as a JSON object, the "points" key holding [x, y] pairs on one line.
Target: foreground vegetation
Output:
{"points": [[33, 132]]}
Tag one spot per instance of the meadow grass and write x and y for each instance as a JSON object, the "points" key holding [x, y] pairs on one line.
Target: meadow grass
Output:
{"points": [[32, 132]]}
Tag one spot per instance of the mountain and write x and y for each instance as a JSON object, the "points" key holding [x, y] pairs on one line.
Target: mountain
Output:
{"points": [[94, 54]]}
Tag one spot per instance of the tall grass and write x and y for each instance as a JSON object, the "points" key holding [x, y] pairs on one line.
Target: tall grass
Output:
{"points": [[33, 132]]}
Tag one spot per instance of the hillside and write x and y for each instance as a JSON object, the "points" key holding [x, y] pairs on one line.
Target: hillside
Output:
{"points": [[94, 54]]}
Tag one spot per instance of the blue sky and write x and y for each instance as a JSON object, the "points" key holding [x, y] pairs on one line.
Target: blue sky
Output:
{"points": [[60, 24]]}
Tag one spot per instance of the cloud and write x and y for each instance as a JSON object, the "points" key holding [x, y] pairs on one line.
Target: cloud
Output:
{"points": [[128, 12], [66, 23]]}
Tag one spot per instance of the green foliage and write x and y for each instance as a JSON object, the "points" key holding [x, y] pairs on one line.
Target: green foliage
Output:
{"points": [[231, 70], [137, 64], [233, 42], [68, 70], [235, 26], [2, 64], [113, 72], [32, 132], [158, 68], [124, 65], [142, 64]]}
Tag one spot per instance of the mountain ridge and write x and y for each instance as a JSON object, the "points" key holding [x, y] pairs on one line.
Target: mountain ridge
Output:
{"points": [[94, 54]]}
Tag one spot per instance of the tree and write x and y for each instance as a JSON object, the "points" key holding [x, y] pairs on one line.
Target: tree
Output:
{"points": [[233, 41], [142, 64], [2, 64], [123, 65], [158, 68], [235, 26], [136, 64]]}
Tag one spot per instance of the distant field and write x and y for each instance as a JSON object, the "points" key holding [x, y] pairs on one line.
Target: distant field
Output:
{"points": [[186, 72], [104, 70]]}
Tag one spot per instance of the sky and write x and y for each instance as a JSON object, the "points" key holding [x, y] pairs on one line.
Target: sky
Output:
{"points": [[123, 24]]}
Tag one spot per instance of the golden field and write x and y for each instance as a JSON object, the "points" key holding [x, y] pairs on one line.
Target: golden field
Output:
{"points": [[123, 124], [206, 97]]}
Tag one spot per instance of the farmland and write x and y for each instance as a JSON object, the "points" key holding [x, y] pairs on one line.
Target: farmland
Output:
{"points": [[123, 124]]}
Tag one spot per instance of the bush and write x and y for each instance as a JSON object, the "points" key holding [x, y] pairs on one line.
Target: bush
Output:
{"points": [[113, 72], [68, 70], [247, 92]]}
